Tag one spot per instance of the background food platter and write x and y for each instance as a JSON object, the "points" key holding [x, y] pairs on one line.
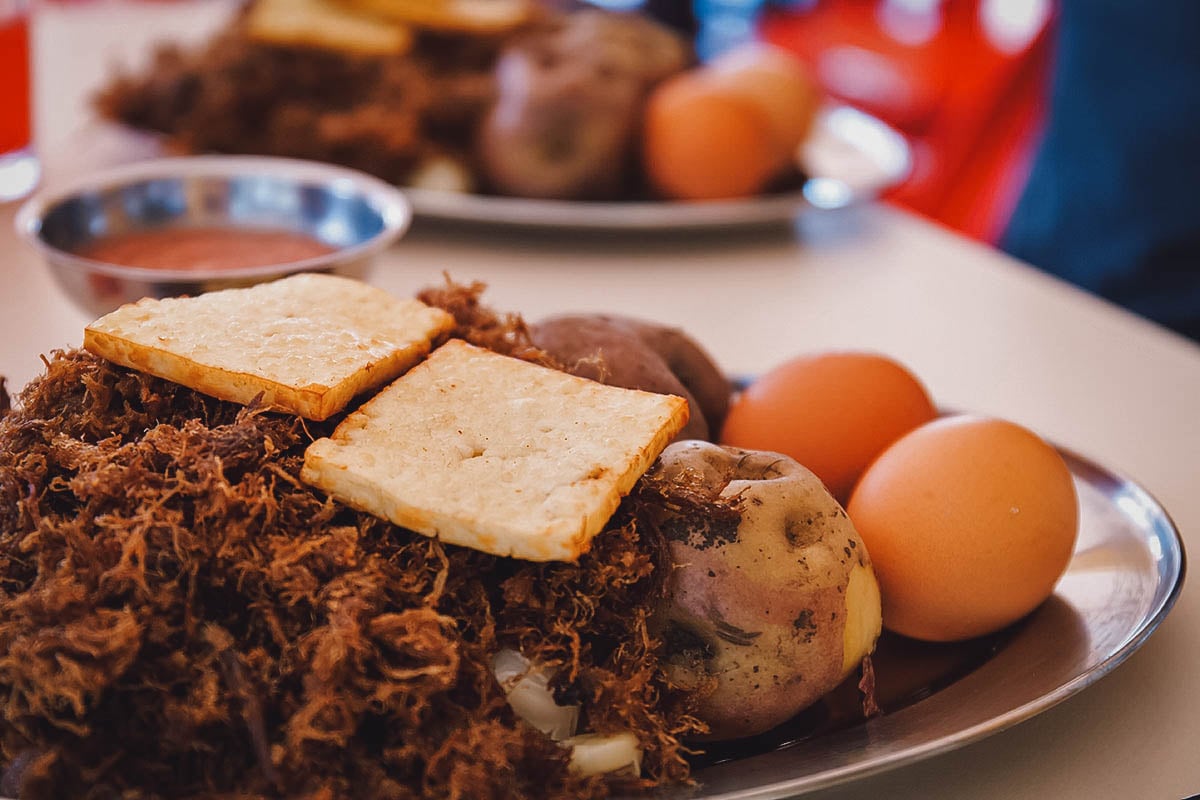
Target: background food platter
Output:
{"points": [[849, 157], [1127, 571]]}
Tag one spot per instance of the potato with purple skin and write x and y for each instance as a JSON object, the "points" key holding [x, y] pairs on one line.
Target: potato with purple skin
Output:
{"points": [[694, 368], [634, 354], [568, 105], [556, 133], [771, 607]]}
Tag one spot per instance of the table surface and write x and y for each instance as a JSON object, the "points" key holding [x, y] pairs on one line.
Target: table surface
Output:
{"points": [[984, 332]]}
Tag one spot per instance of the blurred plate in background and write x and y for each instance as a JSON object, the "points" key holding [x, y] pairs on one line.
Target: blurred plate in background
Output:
{"points": [[850, 157]]}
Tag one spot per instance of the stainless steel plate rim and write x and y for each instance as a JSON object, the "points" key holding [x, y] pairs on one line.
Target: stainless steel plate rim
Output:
{"points": [[850, 158]]}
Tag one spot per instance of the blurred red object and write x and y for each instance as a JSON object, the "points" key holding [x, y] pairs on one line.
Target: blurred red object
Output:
{"points": [[15, 128], [964, 80]]}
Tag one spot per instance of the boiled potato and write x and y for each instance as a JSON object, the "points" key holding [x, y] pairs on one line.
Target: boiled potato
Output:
{"points": [[766, 610], [568, 102], [636, 354]]}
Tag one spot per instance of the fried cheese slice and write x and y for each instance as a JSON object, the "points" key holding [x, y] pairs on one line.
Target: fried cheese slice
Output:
{"points": [[326, 25], [479, 17], [307, 344], [494, 453]]}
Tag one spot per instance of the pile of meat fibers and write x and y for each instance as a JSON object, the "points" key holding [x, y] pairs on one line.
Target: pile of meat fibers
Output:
{"points": [[181, 617], [382, 115]]}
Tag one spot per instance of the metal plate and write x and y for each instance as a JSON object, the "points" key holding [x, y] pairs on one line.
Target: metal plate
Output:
{"points": [[850, 157], [1127, 571]]}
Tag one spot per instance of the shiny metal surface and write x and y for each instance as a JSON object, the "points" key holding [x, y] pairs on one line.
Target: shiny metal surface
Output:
{"points": [[354, 213], [1127, 570], [850, 157]]}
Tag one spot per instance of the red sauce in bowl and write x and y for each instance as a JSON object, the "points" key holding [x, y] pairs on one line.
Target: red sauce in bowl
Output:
{"points": [[196, 249]]}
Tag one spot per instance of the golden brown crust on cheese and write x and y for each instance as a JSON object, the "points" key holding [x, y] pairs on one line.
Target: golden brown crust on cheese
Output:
{"points": [[490, 452], [306, 344], [327, 25], [452, 16]]}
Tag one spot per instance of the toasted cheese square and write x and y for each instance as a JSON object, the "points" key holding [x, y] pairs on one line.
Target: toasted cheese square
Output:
{"points": [[308, 343], [326, 25], [480, 17], [490, 452]]}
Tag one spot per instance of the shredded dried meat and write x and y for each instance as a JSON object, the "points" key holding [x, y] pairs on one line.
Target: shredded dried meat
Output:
{"points": [[180, 617], [379, 114]]}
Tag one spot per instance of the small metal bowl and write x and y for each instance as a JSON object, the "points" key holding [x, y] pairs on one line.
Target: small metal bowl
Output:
{"points": [[353, 213]]}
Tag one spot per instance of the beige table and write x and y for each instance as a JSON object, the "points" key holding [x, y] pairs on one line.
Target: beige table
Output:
{"points": [[985, 333]]}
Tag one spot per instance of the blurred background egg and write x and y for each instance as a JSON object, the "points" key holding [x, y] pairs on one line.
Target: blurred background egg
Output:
{"points": [[729, 128], [704, 142], [777, 82], [832, 412], [970, 522]]}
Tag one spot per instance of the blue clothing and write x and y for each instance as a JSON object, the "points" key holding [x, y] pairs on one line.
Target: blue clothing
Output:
{"points": [[1113, 200]]}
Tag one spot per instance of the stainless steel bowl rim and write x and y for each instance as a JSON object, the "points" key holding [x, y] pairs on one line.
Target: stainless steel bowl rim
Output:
{"points": [[393, 207]]}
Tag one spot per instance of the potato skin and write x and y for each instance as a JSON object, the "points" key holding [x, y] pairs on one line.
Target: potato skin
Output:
{"points": [[636, 354], [694, 368], [758, 612], [568, 105], [556, 135]]}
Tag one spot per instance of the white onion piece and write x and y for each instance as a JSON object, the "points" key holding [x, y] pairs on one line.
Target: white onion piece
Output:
{"points": [[527, 688], [597, 753], [443, 174], [509, 666]]}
